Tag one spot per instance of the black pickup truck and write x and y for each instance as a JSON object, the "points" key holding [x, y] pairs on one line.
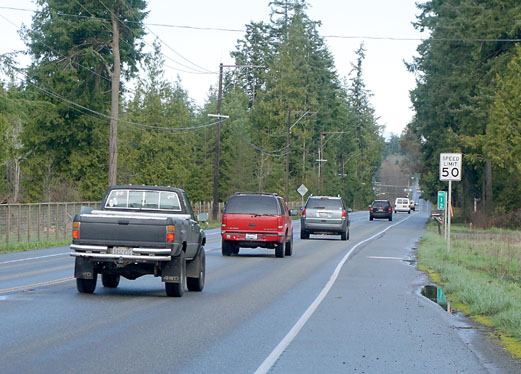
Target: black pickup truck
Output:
{"points": [[140, 230]]}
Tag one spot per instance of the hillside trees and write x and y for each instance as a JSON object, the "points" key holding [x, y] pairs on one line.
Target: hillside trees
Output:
{"points": [[503, 138], [469, 44], [163, 137], [74, 58], [299, 78]]}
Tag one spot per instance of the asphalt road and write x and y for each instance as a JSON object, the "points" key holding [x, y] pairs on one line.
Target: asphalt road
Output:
{"points": [[333, 307]]}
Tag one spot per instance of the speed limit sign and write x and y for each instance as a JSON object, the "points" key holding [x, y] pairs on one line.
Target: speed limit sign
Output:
{"points": [[450, 166]]}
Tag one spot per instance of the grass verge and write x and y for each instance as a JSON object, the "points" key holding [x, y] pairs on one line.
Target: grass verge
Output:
{"points": [[482, 277], [29, 246]]}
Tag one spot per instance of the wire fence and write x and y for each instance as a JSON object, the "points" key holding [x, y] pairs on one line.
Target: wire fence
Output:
{"points": [[53, 221]]}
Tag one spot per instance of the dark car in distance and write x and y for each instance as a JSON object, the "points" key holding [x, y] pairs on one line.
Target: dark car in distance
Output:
{"points": [[381, 209]]}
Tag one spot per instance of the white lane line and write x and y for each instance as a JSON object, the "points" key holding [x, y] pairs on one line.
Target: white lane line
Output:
{"points": [[33, 258], [56, 281], [385, 258], [285, 342]]}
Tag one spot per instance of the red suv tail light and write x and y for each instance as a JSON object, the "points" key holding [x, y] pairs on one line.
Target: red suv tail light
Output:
{"points": [[280, 222], [224, 220]]}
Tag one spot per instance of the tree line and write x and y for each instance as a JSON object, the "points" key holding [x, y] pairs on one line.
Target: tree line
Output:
{"points": [[55, 116], [467, 100]]}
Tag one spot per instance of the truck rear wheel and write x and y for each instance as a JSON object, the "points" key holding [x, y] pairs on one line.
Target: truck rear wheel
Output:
{"points": [[86, 285], [227, 248], [197, 284], [288, 251], [279, 249], [110, 280]]}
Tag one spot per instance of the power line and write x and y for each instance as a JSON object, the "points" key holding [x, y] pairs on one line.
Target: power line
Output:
{"points": [[196, 71], [506, 40], [165, 44], [84, 108]]}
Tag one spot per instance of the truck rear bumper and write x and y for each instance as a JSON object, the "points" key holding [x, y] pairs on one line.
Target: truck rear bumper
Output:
{"points": [[124, 257], [138, 254]]}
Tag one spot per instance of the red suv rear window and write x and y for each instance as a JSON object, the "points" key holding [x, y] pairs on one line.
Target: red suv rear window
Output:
{"points": [[252, 204]]}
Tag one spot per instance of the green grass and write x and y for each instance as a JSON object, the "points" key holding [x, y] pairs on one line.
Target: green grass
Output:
{"points": [[29, 246], [481, 273]]}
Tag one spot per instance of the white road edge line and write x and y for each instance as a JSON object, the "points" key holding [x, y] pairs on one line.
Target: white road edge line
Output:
{"points": [[33, 258], [36, 285], [285, 342]]}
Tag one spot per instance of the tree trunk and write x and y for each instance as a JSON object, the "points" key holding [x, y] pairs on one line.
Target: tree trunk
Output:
{"points": [[488, 193], [114, 110]]}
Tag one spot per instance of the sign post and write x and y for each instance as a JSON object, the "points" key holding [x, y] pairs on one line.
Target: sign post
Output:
{"points": [[450, 170], [302, 190]]}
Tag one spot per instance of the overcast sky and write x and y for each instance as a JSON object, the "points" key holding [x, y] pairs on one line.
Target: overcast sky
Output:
{"points": [[385, 74]]}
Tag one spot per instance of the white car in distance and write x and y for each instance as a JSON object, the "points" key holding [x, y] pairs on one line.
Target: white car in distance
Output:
{"points": [[402, 204]]}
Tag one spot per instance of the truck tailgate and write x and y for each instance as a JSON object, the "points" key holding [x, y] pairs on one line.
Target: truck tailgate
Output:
{"points": [[129, 231]]}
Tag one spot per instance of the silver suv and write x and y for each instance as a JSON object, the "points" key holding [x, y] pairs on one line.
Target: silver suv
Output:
{"points": [[325, 215]]}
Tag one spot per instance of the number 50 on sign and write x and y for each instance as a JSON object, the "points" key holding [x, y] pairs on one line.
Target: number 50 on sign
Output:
{"points": [[450, 166]]}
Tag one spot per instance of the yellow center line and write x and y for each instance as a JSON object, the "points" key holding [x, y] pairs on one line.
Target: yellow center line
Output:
{"points": [[36, 285]]}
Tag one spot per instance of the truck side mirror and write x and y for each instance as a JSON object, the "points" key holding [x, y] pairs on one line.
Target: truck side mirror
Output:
{"points": [[202, 217]]}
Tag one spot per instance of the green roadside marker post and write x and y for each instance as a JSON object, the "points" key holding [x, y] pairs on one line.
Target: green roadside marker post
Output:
{"points": [[442, 205]]}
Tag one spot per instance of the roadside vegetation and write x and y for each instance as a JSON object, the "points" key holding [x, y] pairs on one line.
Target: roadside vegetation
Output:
{"points": [[29, 246], [481, 276]]}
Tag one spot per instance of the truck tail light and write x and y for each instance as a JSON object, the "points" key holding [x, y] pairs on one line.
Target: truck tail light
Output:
{"points": [[344, 214], [280, 223], [304, 213], [371, 209], [75, 230], [224, 220], [170, 234]]}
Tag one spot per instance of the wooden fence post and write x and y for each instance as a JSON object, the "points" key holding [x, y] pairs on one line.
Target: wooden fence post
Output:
{"points": [[8, 223], [19, 223], [39, 222]]}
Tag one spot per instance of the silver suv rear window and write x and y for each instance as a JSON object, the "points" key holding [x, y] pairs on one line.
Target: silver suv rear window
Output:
{"points": [[324, 203]]}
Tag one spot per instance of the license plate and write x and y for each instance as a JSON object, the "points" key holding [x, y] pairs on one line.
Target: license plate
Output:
{"points": [[324, 215], [122, 251], [251, 237]]}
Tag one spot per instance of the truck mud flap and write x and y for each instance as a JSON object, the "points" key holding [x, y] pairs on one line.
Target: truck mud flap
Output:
{"points": [[83, 268], [171, 271], [193, 268]]}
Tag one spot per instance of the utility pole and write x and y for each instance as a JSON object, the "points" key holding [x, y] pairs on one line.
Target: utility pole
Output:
{"points": [[288, 145], [215, 208], [320, 153], [114, 108]]}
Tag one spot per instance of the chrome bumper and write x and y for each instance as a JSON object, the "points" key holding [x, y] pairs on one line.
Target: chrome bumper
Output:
{"points": [[100, 251]]}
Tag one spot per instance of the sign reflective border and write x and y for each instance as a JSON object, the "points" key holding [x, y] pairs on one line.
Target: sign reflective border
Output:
{"points": [[450, 166]]}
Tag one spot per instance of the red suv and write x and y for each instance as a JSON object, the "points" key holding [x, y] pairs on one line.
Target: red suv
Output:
{"points": [[252, 220]]}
